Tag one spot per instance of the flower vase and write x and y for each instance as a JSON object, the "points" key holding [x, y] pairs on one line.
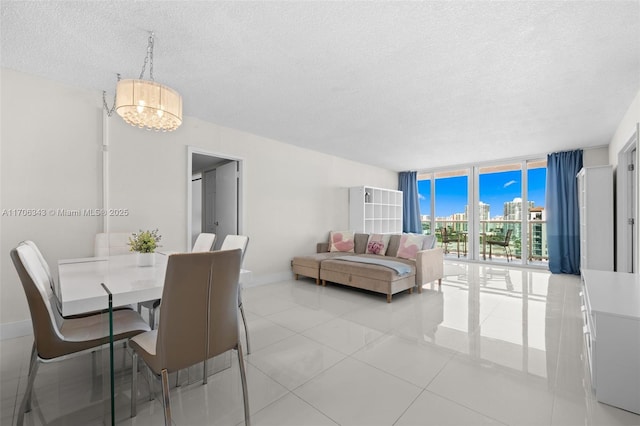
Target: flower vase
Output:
{"points": [[146, 259]]}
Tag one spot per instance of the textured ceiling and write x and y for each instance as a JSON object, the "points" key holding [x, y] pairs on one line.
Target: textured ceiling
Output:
{"points": [[400, 85]]}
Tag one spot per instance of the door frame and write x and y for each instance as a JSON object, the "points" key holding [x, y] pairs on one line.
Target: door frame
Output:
{"points": [[627, 243], [241, 165]]}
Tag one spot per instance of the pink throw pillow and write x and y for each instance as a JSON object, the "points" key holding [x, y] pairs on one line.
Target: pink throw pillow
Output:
{"points": [[378, 244], [341, 241], [410, 245]]}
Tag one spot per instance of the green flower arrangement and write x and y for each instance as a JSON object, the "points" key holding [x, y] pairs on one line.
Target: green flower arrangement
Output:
{"points": [[145, 241]]}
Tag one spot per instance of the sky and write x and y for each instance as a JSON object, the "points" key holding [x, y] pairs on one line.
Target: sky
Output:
{"points": [[495, 190]]}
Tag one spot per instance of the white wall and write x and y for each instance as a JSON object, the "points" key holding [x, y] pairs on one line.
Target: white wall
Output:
{"points": [[625, 129], [595, 156], [292, 196], [50, 159]]}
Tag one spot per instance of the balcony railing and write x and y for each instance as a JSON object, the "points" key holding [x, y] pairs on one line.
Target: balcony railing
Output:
{"points": [[493, 230]]}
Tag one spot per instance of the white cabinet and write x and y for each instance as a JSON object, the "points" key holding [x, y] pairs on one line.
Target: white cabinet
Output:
{"points": [[375, 210], [611, 307], [595, 197]]}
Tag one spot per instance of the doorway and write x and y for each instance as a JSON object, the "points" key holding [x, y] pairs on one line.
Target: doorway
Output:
{"points": [[214, 202]]}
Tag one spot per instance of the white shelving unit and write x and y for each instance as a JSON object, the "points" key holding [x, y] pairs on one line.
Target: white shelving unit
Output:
{"points": [[595, 197], [375, 210]]}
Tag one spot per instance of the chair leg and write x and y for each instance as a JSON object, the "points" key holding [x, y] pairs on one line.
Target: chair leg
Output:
{"points": [[204, 372], [166, 403], [243, 378], [33, 363], [151, 379], [134, 384], [152, 318], [246, 330], [25, 406]]}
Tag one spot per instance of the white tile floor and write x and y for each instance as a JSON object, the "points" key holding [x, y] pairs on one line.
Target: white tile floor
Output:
{"points": [[480, 351]]}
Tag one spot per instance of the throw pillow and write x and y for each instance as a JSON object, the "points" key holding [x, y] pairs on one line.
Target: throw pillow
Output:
{"points": [[429, 242], [410, 244], [378, 244], [341, 241]]}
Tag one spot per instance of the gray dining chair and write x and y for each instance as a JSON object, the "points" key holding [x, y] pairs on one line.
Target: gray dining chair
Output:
{"points": [[54, 336], [204, 242], [198, 320], [242, 242]]}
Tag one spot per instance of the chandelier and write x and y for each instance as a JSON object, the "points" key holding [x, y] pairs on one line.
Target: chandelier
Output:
{"points": [[147, 104]]}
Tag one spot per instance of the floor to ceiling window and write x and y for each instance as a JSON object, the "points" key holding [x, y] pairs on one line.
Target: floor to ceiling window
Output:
{"points": [[489, 212]]}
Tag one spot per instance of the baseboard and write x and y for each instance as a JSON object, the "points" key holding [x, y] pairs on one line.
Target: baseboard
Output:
{"points": [[11, 330]]}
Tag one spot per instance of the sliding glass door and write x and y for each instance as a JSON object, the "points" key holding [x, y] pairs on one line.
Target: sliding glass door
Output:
{"points": [[443, 206], [501, 209], [452, 205]]}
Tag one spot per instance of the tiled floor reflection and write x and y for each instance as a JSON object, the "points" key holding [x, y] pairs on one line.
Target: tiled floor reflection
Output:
{"points": [[495, 345]]}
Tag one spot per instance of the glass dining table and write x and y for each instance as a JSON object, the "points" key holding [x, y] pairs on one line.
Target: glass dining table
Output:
{"points": [[79, 282], [103, 283]]}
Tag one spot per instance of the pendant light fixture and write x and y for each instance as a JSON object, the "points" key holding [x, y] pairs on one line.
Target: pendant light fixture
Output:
{"points": [[147, 104]]}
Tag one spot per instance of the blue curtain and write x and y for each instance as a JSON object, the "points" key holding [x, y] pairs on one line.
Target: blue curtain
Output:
{"points": [[563, 222], [408, 184]]}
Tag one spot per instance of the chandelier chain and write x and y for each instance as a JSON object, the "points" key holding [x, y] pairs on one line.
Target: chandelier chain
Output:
{"points": [[148, 59], [104, 101]]}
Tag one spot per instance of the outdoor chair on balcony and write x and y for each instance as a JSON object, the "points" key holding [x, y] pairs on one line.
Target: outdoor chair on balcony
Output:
{"points": [[502, 243], [447, 238]]}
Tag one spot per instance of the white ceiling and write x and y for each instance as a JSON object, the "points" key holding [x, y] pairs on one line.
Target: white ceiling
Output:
{"points": [[400, 85]]}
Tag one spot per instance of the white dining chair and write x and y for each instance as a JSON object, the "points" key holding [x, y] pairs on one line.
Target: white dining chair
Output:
{"points": [[204, 242], [241, 242], [54, 288], [56, 337]]}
